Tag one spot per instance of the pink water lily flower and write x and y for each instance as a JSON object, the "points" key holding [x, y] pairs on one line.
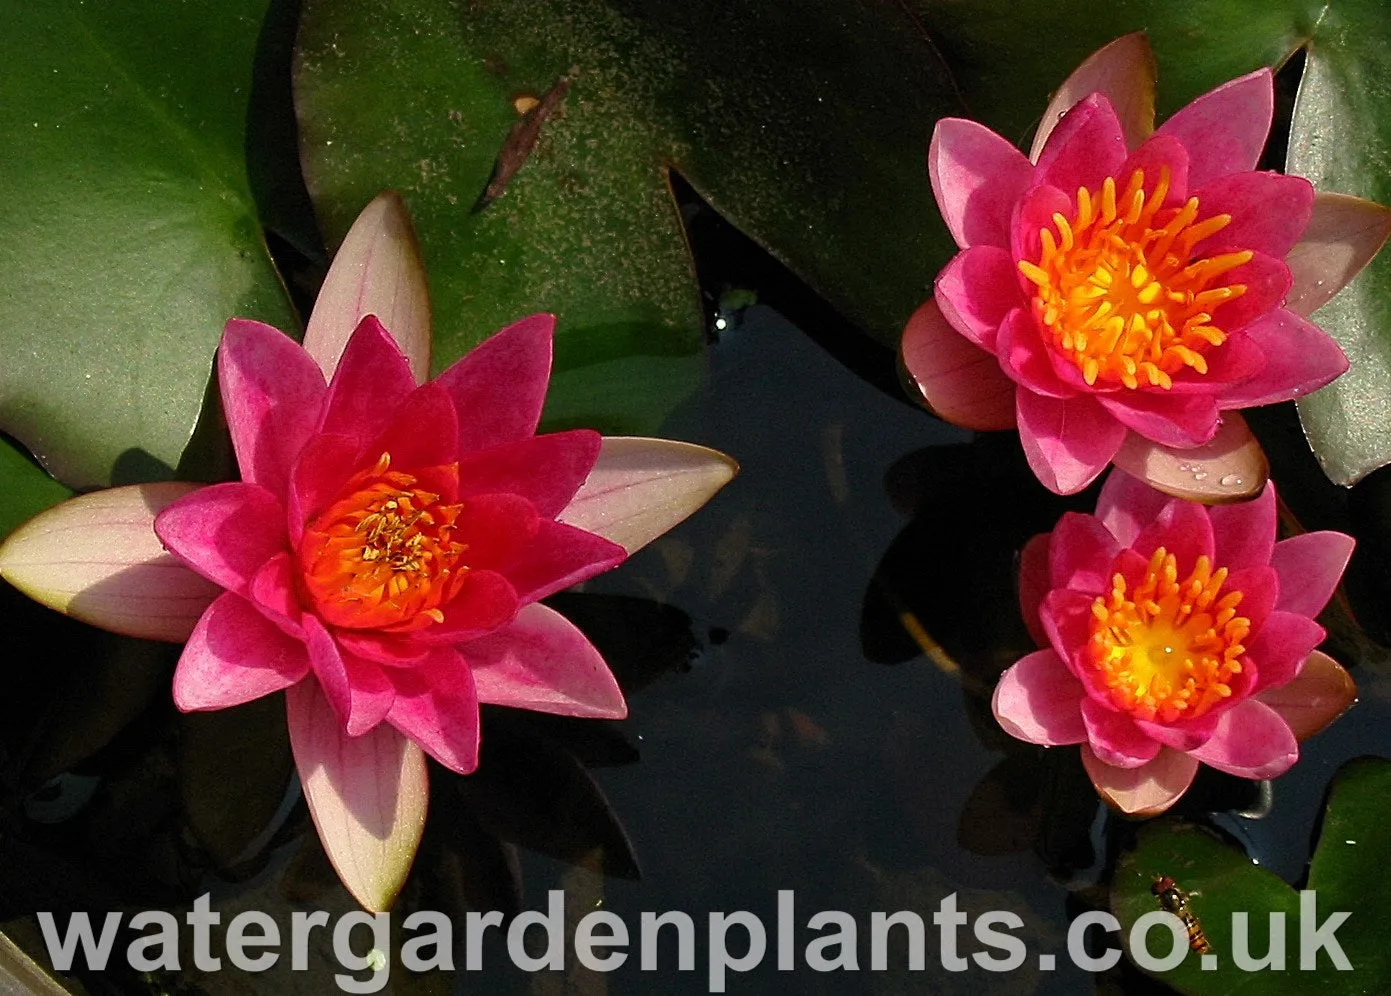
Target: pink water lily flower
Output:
{"points": [[1176, 635], [1130, 283], [383, 557]]}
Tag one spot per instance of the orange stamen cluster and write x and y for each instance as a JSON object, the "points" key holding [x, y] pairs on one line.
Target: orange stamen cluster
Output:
{"points": [[384, 554], [1168, 651], [1117, 291]]}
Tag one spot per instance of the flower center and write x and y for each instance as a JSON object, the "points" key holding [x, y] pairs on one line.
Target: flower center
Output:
{"points": [[383, 555], [1116, 289], [1169, 650]]}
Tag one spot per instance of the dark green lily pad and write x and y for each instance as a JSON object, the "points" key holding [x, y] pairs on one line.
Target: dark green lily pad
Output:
{"points": [[25, 490], [129, 234], [1347, 875]]}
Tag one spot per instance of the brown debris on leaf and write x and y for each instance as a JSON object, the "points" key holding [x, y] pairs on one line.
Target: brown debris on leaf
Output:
{"points": [[521, 140]]}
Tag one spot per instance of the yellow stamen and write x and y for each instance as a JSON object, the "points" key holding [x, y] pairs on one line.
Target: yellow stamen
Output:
{"points": [[383, 555], [1117, 288], [1170, 649]]}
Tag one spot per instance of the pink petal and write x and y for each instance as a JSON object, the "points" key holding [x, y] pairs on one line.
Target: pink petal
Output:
{"points": [[323, 467], [496, 529], [559, 557], [1086, 147], [1230, 467], [1178, 420], [1081, 554], [1244, 532], [1300, 358], [371, 694], [1259, 587], [372, 379], [1281, 646], [977, 177], [499, 386], [437, 707], [545, 470], [639, 488], [1343, 235], [1034, 584], [1182, 735], [1319, 694], [1269, 212], [235, 655], [1144, 791], [485, 601], [1226, 128], [1114, 738], [1250, 741], [1035, 213], [1158, 155], [976, 290], [1125, 72], [961, 383], [543, 662], [96, 558], [422, 433], [1039, 700], [225, 532], [1067, 442], [1267, 282], [376, 271], [1028, 360], [367, 795], [272, 394], [327, 663], [1066, 617], [275, 590], [1182, 529], [1310, 567], [1127, 505]]}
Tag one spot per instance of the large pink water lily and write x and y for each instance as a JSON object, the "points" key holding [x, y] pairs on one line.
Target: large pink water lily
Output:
{"points": [[1124, 282], [1176, 635], [383, 557]]}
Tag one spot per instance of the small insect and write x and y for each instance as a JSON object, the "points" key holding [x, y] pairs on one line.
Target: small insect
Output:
{"points": [[1174, 900]]}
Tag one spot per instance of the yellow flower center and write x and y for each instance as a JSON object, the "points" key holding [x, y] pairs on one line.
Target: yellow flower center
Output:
{"points": [[1168, 650], [1116, 289], [383, 555]]}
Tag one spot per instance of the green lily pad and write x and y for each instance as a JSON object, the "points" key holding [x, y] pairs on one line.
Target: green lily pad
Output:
{"points": [[25, 490], [1347, 875], [129, 234], [753, 106]]}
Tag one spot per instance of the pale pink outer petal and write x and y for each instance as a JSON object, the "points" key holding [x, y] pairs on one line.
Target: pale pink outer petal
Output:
{"points": [[1067, 442], [96, 558], [1226, 128], [1127, 505], [376, 271], [500, 385], [235, 655], [958, 381], [1144, 791], [1039, 700], [1229, 467], [367, 795], [272, 394], [977, 177], [542, 662], [1125, 71], [1310, 567], [1251, 740], [1343, 235], [1319, 694], [639, 488]]}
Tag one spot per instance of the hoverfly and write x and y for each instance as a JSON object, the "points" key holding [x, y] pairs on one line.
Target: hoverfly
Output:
{"points": [[1174, 900]]}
